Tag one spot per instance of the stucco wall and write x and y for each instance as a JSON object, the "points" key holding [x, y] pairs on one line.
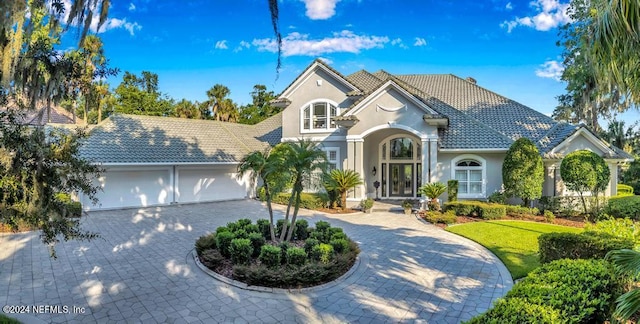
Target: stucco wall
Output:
{"points": [[493, 180]]}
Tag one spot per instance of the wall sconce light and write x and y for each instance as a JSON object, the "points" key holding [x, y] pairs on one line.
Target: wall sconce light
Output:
{"points": [[374, 171]]}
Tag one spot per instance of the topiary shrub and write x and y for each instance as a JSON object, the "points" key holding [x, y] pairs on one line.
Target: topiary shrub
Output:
{"points": [[322, 226], [265, 228], [280, 226], [492, 211], [452, 190], [241, 233], [205, 242], [517, 310], [587, 245], [301, 230], [296, 256], [309, 244], [240, 251], [476, 209], [252, 228], [322, 252], [581, 290], [584, 171], [243, 223], [270, 255], [257, 241], [435, 217], [523, 171], [461, 208], [340, 245], [284, 246], [222, 229], [624, 207], [549, 217], [624, 190], [223, 242], [233, 226]]}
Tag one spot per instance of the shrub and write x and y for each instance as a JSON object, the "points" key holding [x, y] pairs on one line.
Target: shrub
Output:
{"points": [[205, 242], [523, 171], [497, 198], [257, 241], [241, 233], [476, 209], [624, 190], [435, 217], [588, 245], [73, 208], [301, 230], [307, 200], [460, 208], [233, 226], [280, 225], [549, 217], [264, 226], [240, 250], [322, 226], [623, 228], [211, 258], [517, 310], [492, 211], [366, 204], [433, 190], [452, 190], [296, 256], [518, 211], [584, 171], [270, 255], [223, 242], [309, 244], [243, 223], [322, 252], [252, 228], [222, 229], [624, 207], [284, 246], [340, 245], [581, 290]]}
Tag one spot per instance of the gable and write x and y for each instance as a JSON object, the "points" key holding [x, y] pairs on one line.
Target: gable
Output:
{"points": [[582, 140]]}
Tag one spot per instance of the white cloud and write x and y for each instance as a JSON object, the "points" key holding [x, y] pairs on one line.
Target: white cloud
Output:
{"points": [[398, 42], [320, 9], [221, 44], [243, 45], [341, 42], [420, 42], [132, 7], [509, 6], [325, 60], [549, 14], [109, 24], [550, 69]]}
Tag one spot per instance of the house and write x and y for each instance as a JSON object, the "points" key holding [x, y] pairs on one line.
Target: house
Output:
{"points": [[398, 131]]}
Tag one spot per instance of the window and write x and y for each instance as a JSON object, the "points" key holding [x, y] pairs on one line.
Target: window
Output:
{"points": [[470, 171], [401, 148], [319, 115], [333, 154]]}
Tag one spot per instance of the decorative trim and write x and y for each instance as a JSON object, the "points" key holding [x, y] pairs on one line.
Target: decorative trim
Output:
{"points": [[392, 124], [335, 138], [378, 108], [483, 150], [588, 136], [308, 73], [381, 90], [142, 164]]}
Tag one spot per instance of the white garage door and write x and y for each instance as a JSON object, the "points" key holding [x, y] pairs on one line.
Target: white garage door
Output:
{"points": [[139, 188], [209, 184]]}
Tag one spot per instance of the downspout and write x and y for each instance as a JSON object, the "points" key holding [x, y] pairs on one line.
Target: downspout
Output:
{"points": [[173, 185]]}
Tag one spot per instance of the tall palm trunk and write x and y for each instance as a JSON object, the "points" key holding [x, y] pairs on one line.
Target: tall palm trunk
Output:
{"points": [[86, 109], [268, 196], [286, 217], [295, 215]]}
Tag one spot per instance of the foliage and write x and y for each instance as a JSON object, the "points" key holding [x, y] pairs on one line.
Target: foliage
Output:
{"points": [[624, 207], [497, 197], [523, 171], [587, 245], [549, 216], [270, 255], [223, 242], [280, 226], [221, 107], [514, 242], [302, 229], [366, 204], [241, 250], [477, 209], [322, 252], [260, 108], [452, 190], [519, 211], [571, 205], [257, 241], [624, 190], [211, 258], [432, 191], [584, 171], [407, 203], [37, 166], [310, 243], [265, 228], [631, 176], [436, 217], [626, 263], [206, 242], [140, 95], [284, 246], [73, 208], [582, 290], [623, 228], [517, 310], [296, 256], [339, 245], [342, 181]]}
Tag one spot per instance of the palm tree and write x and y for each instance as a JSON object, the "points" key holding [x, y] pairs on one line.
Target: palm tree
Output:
{"points": [[342, 181], [432, 191], [93, 56], [626, 262], [216, 96], [303, 158]]}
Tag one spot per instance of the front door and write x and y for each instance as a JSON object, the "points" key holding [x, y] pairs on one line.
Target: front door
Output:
{"points": [[401, 179]]}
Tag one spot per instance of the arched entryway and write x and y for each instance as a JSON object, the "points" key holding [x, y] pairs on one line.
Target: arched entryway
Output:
{"points": [[400, 164]]}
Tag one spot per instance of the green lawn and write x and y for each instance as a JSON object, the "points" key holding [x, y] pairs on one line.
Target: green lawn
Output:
{"points": [[8, 320], [514, 242]]}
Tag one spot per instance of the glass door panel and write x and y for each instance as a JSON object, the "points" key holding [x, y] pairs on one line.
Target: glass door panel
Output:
{"points": [[401, 179]]}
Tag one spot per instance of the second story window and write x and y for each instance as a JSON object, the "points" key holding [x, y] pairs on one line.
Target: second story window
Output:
{"points": [[318, 115]]}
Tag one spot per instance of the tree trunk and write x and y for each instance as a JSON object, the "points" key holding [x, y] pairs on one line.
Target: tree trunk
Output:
{"points": [[268, 196], [99, 111], [343, 200], [48, 109], [294, 217], [86, 110], [286, 216], [584, 203]]}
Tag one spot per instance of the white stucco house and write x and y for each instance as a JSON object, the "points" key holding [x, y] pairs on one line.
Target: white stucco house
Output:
{"points": [[400, 130]]}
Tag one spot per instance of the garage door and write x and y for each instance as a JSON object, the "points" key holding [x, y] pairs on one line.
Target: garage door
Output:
{"points": [[138, 188], [209, 184]]}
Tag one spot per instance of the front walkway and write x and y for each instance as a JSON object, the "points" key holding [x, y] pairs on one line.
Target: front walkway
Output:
{"points": [[141, 270]]}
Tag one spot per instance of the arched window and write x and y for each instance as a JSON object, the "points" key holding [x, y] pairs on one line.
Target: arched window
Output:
{"points": [[318, 115], [470, 171]]}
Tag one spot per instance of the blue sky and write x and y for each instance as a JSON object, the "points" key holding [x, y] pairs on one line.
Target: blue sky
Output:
{"points": [[507, 46]]}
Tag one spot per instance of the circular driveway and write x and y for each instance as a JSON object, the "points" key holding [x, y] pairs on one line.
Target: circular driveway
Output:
{"points": [[141, 270]]}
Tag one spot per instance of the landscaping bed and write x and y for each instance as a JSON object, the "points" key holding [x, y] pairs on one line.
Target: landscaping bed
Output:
{"points": [[243, 251]]}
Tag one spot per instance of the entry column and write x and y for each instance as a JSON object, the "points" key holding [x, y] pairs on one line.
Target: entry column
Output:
{"points": [[355, 161]]}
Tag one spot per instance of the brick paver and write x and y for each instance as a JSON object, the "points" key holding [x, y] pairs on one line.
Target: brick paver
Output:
{"points": [[141, 270]]}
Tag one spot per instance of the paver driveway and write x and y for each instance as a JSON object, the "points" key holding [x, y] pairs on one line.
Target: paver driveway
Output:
{"points": [[141, 270]]}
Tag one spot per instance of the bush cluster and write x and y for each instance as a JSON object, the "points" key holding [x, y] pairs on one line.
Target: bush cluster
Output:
{"points": [[619, 227], [480, 209], [435, 217], [317, 255], [624, 207], [586, 245], [519, 211], [73, 208], [569, 205], [307, 200], [624, 190], [571, 291]]}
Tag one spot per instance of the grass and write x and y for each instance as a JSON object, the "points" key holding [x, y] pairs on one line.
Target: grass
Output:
{"points": [[514, 242], [8, 320]]}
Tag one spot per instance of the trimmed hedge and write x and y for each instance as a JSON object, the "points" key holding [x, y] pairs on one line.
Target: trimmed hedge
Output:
{"points": [[296, 256], [270, 255], [206, 242], [240, 250], [624, 207], [480, 209], [307, 200], [624, 190], [301, 231], [435, 217], [223, 242], [587, 245], [518, 310]]}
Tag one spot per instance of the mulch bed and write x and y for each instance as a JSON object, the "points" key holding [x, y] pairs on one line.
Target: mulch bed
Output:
{"points": [[564, 221], [338, 210]]}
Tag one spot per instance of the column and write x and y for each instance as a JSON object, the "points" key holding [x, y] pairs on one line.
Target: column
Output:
{"points": [[355, 161], [433, 165]]}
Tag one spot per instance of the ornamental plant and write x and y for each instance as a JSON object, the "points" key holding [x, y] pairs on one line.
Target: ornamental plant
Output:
{"points": [[523, 171], [584, 171]]}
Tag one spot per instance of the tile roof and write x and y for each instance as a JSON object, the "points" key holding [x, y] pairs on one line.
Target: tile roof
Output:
{"points": [[146, 139]]}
